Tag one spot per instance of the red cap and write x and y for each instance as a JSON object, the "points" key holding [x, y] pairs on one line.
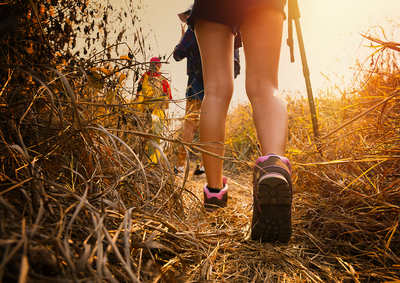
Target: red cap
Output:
{"points": [[155, 61]]}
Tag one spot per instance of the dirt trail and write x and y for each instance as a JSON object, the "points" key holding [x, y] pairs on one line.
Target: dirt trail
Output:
{"points": [[240, 188], [240, 198]]}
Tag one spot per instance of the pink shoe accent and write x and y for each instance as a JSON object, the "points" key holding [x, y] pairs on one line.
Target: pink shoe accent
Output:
{"points": [[221, 192], [282, 158]]}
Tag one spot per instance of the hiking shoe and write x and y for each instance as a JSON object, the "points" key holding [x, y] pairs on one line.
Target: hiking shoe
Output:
{"points": [[272, 197], [179, 170], [199, 171], [214, 201]]}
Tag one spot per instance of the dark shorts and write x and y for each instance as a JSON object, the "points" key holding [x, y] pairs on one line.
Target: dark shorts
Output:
{"points": [[195, 87], [229, 12]]}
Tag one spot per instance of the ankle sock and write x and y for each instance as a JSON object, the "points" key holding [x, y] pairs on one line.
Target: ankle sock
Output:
{"points": [[212, 190]]}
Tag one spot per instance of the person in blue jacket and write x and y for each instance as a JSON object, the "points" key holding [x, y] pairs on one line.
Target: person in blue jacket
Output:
{"points": [[188, 48]]}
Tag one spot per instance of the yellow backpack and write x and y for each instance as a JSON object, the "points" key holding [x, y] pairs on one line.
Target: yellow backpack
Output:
{"points": [[152, 91]]}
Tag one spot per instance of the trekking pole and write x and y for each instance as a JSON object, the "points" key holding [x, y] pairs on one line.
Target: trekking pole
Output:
{"points": [[294, 15]]}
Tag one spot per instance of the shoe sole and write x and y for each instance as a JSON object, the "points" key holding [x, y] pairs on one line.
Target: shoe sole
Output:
{"points": [[274, 197], [213, 204]]}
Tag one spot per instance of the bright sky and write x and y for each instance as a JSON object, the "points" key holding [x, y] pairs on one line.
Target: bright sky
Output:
{"points": [[331, 33]]}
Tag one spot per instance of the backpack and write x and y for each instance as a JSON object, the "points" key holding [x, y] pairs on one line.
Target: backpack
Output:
{"points": [[152, 90]]}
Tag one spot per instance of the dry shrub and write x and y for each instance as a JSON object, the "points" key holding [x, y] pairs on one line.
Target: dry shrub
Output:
{"points": [[79, 197], [347, 192]]}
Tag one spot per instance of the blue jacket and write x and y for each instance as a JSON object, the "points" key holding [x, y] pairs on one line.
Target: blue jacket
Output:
{"points": [[189, 49]]}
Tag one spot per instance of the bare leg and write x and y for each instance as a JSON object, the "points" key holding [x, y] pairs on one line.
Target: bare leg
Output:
{"points": [[216, 48], [262, 35], [190, 125]]}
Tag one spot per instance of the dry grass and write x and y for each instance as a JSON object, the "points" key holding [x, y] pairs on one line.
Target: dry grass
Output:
{"points": [[81, 203]]}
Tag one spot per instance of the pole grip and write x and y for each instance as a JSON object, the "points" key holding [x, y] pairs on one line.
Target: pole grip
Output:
{"points": [[290, 41]]}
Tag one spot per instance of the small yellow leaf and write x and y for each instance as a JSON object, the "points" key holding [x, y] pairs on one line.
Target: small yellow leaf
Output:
{"points": [[122, 77], [105, 71], [109, 96]]}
